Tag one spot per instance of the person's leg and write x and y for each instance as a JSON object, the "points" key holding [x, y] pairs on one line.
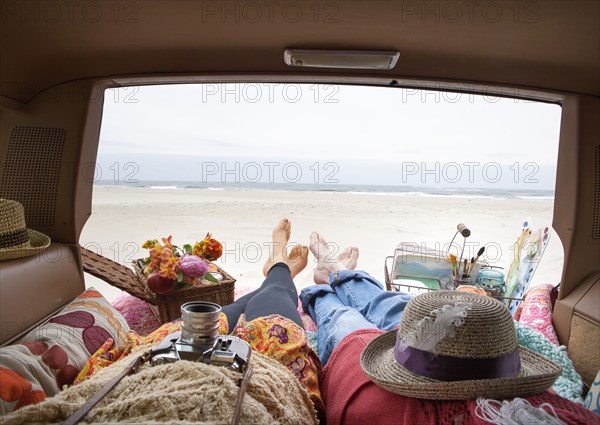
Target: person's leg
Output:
{"points": [[275, 276], [277, 295], [357, 289], [334, 319], [234, 310]]}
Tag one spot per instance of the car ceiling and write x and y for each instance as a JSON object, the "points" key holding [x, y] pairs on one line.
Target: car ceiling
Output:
{"points": [[552, 45]]}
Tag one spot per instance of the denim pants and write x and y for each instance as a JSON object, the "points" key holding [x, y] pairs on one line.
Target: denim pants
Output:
{"points": [[353, 300]]}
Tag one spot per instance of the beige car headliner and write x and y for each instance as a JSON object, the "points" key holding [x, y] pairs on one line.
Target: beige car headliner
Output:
{"points": [[552, 45]]}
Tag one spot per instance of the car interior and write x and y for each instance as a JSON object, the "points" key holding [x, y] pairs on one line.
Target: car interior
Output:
{"points": [[58, 58]]}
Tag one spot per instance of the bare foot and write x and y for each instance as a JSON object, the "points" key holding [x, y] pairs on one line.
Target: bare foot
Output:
{"points": [[281, 236], [297, 259], [325, 255], [349, 257]]}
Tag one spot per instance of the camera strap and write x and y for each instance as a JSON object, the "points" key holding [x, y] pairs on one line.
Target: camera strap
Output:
{"points": [[243, 384]]}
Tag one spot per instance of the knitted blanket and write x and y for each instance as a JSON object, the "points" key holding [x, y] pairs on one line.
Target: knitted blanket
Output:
{"points": [[568, 384], [181, 393]]}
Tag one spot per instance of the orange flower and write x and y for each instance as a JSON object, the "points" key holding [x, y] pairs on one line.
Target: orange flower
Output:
{"points": [[156, 251], [167, 242], [168, 272], [166, 254], [162, 258], [208, 248], [155, 256], [169, 264]]}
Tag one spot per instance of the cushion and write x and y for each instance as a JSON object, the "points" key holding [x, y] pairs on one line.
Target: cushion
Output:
{"points": [[52, 355], [139, 315], [535, 312]]}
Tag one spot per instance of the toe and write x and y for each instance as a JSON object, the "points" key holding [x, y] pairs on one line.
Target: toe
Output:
{"points": [[346, 253], [314, 242], [295, 251], [304, 251], [284, 224], [322, 240], [282, 231], [316, 237]]}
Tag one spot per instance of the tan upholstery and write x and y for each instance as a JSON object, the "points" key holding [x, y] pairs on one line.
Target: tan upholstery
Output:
{"points": [[584, 348], [33, 288], [577, 322]]}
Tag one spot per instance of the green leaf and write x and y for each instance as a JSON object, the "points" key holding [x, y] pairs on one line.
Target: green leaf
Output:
{"points": [[179, 285], [179, 276], [188, 248], [210, 278]]}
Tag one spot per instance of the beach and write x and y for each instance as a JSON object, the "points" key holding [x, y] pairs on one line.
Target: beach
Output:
{"points": [[124, 217]]}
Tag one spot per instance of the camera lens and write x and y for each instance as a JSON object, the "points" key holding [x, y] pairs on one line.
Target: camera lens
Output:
{"points": [[200, 323]]}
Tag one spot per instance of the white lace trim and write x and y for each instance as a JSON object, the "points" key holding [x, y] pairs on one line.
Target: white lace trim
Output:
{"points": [[516, 412]]}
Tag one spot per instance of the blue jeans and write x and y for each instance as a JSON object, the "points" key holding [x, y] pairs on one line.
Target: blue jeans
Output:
{"points": [[353, 300]]}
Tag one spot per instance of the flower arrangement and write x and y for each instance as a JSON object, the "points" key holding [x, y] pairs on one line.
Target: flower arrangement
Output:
{"points": [[169, 267]]}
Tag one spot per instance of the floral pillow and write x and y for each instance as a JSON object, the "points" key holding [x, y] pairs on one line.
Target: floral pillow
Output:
{"points": [[535, 312], [52, 355]]}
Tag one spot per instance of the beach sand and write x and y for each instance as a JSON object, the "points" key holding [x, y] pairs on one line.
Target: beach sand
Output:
{"points": [[123, 218]]}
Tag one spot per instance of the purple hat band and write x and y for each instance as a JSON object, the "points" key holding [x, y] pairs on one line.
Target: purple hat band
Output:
{"points": [[449, 368]]}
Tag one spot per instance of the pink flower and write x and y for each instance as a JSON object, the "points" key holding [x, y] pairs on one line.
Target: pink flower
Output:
{"points": [[193, 266]]}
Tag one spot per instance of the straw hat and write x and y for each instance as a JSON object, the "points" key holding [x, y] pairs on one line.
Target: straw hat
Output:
{"points": [[16, 240], [454, 345]]}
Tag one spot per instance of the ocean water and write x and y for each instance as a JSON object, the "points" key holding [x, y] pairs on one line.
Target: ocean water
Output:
{"points": [[357, 189]]}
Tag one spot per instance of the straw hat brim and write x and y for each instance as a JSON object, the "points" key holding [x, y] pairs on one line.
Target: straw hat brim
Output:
{"points": [[378, 362], [37, 243]]}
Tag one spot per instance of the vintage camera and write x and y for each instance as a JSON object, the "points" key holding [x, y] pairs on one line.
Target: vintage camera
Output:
{"points": [[199, 340]]}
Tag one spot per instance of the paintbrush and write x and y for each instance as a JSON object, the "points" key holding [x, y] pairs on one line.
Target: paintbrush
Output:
{"points": [[452, 259], [465, 268], [470, 267], [479, 253]]}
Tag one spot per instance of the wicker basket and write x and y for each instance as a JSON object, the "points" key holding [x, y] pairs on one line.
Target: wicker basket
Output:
{"points": [[169, 305]]}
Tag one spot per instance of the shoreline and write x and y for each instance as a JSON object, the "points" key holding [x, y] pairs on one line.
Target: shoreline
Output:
{"points": [[363, 190]]}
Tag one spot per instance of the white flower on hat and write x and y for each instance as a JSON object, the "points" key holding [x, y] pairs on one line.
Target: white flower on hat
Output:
{"points": [[429, 332]]}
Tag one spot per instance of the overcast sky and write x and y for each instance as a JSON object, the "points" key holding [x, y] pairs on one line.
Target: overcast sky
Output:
{"points": [[370, 135]]}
